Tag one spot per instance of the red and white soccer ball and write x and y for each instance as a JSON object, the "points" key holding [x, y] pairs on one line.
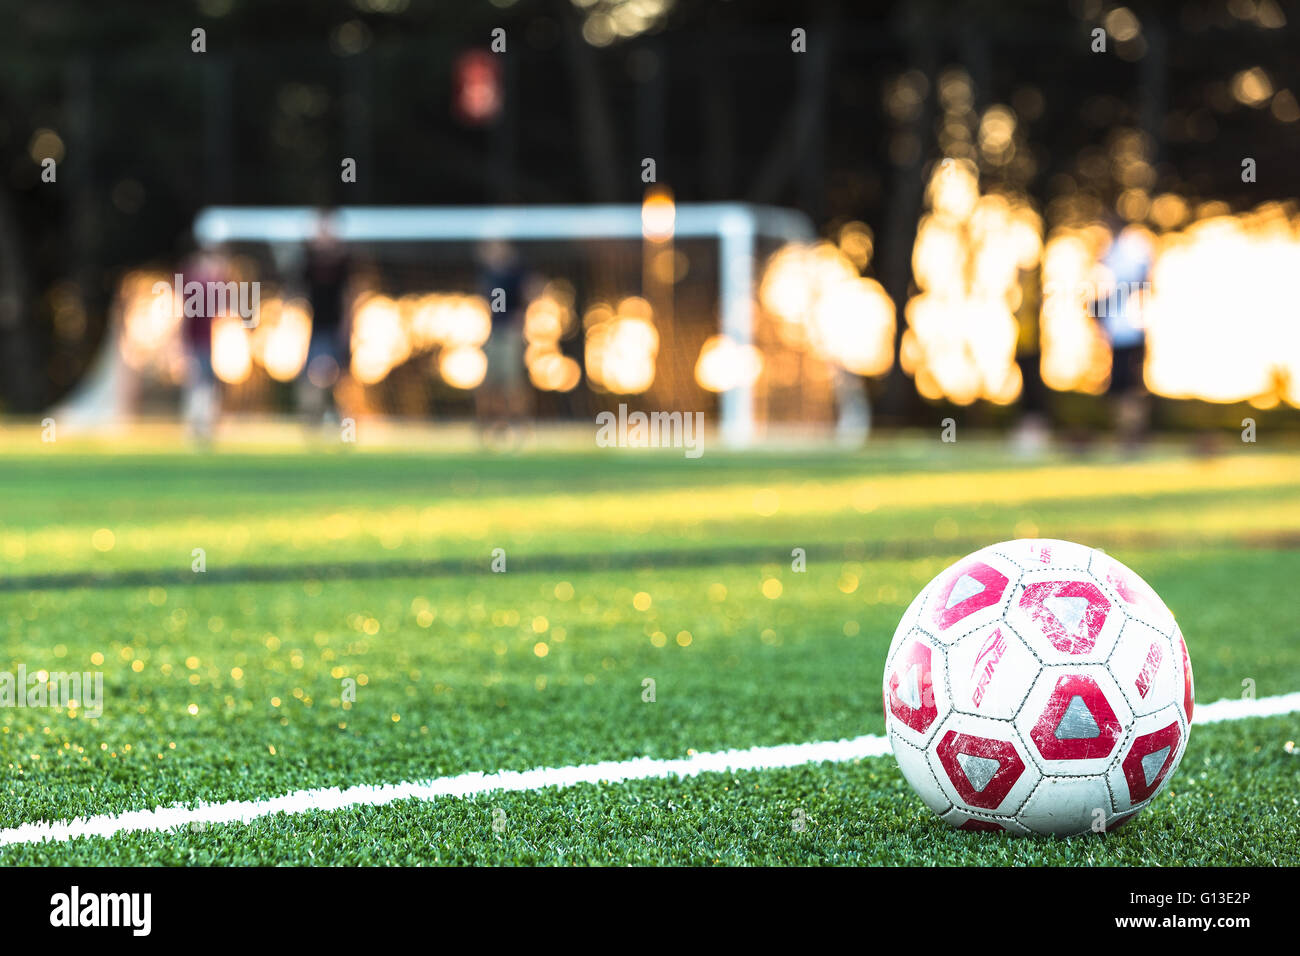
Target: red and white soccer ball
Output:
{"points": [[1038, 686]]}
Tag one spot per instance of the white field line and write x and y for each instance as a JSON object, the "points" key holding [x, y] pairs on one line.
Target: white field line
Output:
{"points": [[472, 784]]}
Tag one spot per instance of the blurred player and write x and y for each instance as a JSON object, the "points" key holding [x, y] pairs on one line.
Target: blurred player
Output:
{"points": [[1120, 315], [1032, 433], [201, 404], [501, 400], [326, 273]]}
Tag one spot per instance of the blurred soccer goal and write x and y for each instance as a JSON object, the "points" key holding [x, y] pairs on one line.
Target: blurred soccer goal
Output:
{"points": [[689, 270], [654, 304]]}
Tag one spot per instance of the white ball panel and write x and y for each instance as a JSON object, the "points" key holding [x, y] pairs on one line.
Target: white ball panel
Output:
{"points": [[916, 770], [1067, 806], [990, 672], [1147, 667]]}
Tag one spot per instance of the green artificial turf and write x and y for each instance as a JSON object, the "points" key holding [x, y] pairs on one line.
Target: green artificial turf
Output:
{"points": [[327, 569], [1233, 802]]}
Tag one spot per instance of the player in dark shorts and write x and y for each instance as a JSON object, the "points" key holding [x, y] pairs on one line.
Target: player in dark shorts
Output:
{"points": [[326, 273]]}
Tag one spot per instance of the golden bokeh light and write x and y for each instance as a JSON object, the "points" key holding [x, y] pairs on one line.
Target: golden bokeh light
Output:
{"points": [[658, 214], [970, 250], [1221, 321], [724, 364], [1217, 311], [1075, 353], [854, 326], [1122, 24], [621, 346], [820, 303], [553, 372], [232, 360], [1252, 88], [150, 337], [280, 341], [387, 332], [548, 319], [379, 340], [857, 243], [463, 366]]}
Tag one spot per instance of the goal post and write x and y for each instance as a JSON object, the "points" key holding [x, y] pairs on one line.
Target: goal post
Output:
{"points": [[736, 229]]}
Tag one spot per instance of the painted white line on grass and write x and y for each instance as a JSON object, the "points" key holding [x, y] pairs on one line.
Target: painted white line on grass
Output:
{"points": [[1229, 709], [472, 784]]}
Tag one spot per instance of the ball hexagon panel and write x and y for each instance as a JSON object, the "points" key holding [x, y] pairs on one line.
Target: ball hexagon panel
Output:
{"points": [[1032, 553], [1074, 720], [1064, 616], [960, 819], [1065, 806], [912, 616], [1149, 758], [981, 765], [1130, 593], [990, 672], [916, 770], [916, 699], [1147, 668], [1189, 690], [969, 595]]}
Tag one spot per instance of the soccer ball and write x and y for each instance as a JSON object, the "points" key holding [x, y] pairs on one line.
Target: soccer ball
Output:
{"points": [[1038, 686]]}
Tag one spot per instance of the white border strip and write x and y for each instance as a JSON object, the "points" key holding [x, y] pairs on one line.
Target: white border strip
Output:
{"points": [[1229, 709], [472, 784]]}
